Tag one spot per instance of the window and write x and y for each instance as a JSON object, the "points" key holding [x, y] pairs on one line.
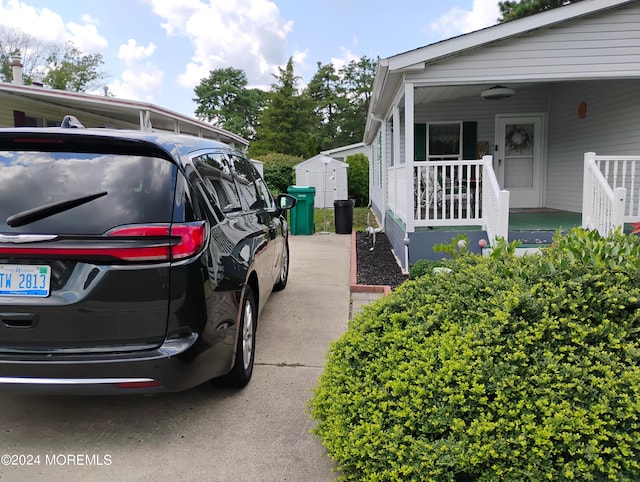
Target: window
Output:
{"points": [[246, 185], [379, 146], [218, 180], [140, 189], [390, 137], [444, 141], [34, 121], [264, 194]]}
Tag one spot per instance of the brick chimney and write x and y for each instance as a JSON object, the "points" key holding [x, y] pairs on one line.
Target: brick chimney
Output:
{"points": [[16, 69]]}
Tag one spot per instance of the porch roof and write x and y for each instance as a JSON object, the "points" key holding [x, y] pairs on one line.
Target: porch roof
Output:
{"points": [[392, 71]]}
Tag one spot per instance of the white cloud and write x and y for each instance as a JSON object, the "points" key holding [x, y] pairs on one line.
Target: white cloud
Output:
{"points": [[141, 83], [176, 13], [131, 51], [47, 26], [250, 35], [347, 56], [142, 79], [86, 37], [456, 21], [42, 23]]}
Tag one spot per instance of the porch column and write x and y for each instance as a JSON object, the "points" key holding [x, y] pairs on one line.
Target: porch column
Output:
{"points": [[395, 155], [409, 154]]}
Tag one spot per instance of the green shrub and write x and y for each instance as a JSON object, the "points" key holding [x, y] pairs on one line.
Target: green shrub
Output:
{"points": [[358, 178], [506, 368], [279, 171]]}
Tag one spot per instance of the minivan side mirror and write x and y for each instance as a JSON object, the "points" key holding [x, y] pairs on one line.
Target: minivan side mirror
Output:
{"points": [[286, 201]]}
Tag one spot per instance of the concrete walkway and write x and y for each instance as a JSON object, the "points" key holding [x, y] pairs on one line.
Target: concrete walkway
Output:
{"points": [[294, 334]]}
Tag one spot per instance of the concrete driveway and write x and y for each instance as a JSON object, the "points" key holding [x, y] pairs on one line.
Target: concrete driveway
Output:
{"points": [[260, 433]]}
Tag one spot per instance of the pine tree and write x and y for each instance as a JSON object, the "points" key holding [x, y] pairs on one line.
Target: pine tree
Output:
{"points": [[513, 9], [224, 99], [288, 122]]}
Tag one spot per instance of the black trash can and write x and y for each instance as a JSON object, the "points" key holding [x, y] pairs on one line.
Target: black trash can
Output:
{"points": [[343, 215]]}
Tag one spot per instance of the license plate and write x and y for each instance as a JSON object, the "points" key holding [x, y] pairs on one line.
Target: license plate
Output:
{"points": [[24, 280]]}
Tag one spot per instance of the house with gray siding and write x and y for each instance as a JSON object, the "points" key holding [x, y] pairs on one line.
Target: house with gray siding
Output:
{"points": [[538, 115]]}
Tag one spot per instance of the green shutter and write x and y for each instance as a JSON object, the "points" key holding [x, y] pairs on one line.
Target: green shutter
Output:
{"points": [[469, 145], [469, 140], [420, 142]]}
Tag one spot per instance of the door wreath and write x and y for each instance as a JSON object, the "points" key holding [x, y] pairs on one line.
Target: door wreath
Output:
{"points": [[518, 139]]}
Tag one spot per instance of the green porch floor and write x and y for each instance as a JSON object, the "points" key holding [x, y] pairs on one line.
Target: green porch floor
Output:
{"points": [[543, 220]]}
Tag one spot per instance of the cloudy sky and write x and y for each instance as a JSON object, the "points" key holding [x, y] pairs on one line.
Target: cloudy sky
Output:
{"points": [[157, 51]]}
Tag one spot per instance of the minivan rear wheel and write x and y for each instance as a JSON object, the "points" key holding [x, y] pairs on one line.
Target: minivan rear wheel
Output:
{"points": [[242, 369]]}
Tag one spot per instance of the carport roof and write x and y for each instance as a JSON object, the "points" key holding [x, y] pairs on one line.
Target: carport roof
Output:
{"points": [[136, 113]]}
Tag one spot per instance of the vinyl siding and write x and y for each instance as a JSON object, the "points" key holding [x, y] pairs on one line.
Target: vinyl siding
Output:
{"points": [[525, 101], [611, 126], [604, 45], [6, 117]]}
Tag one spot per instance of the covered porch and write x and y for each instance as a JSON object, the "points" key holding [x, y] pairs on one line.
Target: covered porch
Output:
{"points": [[465, 132], [446, 206]]}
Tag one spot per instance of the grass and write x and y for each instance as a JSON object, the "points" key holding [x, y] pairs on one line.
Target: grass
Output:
{"points": [[324, 219]]}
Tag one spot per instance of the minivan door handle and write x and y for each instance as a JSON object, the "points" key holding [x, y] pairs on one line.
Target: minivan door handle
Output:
{"points": [[19, 320]]}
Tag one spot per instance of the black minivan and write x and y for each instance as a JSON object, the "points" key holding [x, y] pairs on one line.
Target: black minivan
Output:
{"points": [[132, 262]]}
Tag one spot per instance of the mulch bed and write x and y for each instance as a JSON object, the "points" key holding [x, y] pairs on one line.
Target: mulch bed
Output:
{"points": [[377, 266]]}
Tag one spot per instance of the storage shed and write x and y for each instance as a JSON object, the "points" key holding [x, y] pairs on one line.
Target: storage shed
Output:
{"points": [[327, 175]]}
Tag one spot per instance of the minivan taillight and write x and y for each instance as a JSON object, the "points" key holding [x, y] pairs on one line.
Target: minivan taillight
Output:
{"points": [[185, 240], [144, 243]]}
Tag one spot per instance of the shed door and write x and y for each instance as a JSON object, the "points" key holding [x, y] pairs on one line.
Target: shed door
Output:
{"points": [[519, 142]]}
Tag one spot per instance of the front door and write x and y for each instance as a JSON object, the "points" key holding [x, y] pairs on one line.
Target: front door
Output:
{"points": [[519, 142]]}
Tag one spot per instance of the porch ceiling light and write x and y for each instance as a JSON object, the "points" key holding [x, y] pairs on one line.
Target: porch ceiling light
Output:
{"points": [[497, 92]]}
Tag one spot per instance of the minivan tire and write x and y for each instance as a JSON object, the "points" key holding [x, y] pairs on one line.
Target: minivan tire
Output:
{"points": [[242, 370]]}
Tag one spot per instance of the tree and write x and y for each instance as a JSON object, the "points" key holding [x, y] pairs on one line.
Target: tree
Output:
{"points": [[341, 101], [279, 171], [328, 104], [514, 9], [287, 124], [224, 99], [33, 54], [356, 86], [358, 178], [70, 69], [59, 66]]}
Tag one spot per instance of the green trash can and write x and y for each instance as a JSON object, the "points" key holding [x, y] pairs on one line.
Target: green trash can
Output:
{"points": [[302, 212]]}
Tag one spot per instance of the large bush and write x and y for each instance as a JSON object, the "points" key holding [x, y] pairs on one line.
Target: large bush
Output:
{"points": [[358, 178], [279, 171], [505, 368]]}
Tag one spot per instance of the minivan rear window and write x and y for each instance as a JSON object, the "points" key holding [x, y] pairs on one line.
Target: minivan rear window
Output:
{"points": [[138, 189]]}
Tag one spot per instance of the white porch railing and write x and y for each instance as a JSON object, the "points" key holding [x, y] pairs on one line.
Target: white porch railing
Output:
{"points": [[496, 202], [611, 195], [460, 193]]}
